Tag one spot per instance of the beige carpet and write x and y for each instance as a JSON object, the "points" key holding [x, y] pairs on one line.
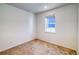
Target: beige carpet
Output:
{"points": [[38, 47]]}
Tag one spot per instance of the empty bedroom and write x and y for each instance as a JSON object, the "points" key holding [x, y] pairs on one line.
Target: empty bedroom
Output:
{"points": [[39, 28]]}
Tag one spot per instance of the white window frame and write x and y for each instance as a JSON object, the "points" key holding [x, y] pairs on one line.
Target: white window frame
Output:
{"points": [[48, 30]]}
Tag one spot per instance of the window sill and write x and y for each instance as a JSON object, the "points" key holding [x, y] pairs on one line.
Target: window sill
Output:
{"points": [[51, 32]]}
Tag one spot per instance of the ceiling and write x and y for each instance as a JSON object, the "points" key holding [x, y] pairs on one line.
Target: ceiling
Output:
{"points": [[37, 7]]}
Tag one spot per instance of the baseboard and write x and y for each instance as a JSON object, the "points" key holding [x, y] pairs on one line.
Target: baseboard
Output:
{"points": [[70, 50], [58, 45], [15, 45]]}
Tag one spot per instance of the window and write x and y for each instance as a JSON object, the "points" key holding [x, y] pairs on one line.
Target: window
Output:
{"points": [[50, 24]]}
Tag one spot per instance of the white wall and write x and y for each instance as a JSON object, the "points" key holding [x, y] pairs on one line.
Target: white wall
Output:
{"points": [[78, 29], [65, 27], [16, 26]]}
